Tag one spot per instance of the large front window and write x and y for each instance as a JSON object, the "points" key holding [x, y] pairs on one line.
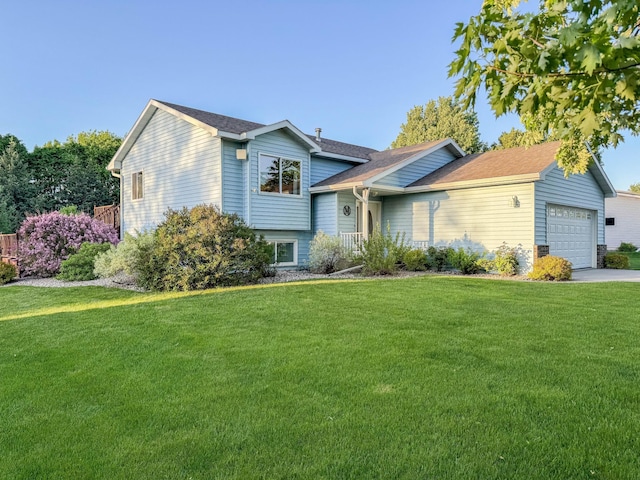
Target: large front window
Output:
{"points": [[279, 175]]}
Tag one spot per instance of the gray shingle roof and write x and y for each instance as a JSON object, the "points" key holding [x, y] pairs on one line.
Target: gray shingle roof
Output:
{"points": [[238, 126], [494, 164], [380, 161]]}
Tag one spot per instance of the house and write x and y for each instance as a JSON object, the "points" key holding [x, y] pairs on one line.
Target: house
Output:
{"points": [[288, 185], [622, 221]]}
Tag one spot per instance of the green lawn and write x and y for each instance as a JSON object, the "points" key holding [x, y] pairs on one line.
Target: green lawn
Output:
{"points": [[634, 259], [427, 377]]}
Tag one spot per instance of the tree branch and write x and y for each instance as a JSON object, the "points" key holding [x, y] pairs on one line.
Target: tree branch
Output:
{"points": [[562, 75]]}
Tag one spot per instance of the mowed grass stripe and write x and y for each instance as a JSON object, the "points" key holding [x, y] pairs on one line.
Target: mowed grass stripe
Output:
{"points": [[414, 378]]}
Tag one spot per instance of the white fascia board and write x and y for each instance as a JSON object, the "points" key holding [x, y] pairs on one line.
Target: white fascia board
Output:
{"points": [[252, 134], [335, 188], [115, 164], [601, 177], [484, 182], [337, 156], [212, 130], [625, 193], [443, 144]]}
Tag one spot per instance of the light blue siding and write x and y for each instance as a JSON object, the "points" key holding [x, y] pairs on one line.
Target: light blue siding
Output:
{"points": [[575, 191], [272, 211], [418, 169], [347, 223], [325, 206], [233, 175], [181, 167], [477, 218], [322, 168], [303, 238]]}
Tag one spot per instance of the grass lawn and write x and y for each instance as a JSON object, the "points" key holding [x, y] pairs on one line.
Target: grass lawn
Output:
{"points": [[634, 259], [426, 377]]}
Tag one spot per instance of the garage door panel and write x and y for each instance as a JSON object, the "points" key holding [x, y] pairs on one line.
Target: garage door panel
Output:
{"points": [[570, 234]]}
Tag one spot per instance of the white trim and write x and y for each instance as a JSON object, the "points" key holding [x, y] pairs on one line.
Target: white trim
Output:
{"points": [[337, 156], [284, 124], [423, 153], [275, 251], [280, 194], [483, 182]]}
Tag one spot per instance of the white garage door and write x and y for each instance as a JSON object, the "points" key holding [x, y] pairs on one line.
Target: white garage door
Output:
{"points": [[570, 234]]}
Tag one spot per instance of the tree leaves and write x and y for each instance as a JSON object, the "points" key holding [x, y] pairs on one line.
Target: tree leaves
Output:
{"points": [[572, 65]]}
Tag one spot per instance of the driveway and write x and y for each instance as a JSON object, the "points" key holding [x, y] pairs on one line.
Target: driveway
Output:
{"points": [[605, 275]]}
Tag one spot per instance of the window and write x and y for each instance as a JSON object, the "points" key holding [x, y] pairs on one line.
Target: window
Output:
{"points": [[279, 175], [285, 253], [610, 221], [137, 186]]}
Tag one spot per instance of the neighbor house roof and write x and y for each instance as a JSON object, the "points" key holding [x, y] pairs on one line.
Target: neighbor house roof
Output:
{"points": [[385, 162]]}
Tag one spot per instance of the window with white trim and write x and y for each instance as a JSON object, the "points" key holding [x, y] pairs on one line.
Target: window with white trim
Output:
{"points": [[285, 253], [137, 186], [279, 175]]}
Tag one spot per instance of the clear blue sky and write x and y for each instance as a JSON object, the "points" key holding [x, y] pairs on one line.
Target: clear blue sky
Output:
{"points": [[353, 68]]}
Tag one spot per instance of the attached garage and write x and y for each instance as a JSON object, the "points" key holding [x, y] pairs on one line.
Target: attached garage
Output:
{"points": [[571, 234]]}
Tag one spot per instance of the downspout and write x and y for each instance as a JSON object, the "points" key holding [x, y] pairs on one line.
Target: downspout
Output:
{"points": [[119, 177], [364, 198]]}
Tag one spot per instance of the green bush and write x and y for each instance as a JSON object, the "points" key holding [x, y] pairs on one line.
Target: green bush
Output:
{"points": [[69, 210], [7, 272], [80, 265], [438, 258], [415, 260], [465, 260], [616, 261], [505, 261], [123, 257], [381, 253], [327, 254], [627, 247], [202, 248], [551, 268]]}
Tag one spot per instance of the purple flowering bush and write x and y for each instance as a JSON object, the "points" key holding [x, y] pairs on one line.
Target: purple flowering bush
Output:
{"points": [[48, 239]]}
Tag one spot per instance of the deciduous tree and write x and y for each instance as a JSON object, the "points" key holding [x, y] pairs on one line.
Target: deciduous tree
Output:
{"points": [[437, 120], [571, 64]]}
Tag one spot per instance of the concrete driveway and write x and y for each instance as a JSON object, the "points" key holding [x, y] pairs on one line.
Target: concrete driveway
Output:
{"points": [[605, 275]]}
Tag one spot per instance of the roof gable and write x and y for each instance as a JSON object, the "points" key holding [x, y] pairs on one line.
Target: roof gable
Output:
{"points": [[386, 162]]}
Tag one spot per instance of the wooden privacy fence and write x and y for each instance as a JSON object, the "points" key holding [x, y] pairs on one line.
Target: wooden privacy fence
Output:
{"points": [[109, 214], [9, 248]]}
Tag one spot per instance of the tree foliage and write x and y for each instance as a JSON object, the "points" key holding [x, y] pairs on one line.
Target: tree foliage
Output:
{"points": [[437, 120], [572, 67], [74, 172], [634, 187], [15, 188]]}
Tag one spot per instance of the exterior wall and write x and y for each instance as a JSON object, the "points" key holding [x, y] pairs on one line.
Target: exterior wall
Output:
{"points": [[303, 238], [322, 168], [576, 191], [272, 211], [625, 209], [180, 165], [418, 169], [347, 223], [325, 206], [234, 172], [477, 218]]}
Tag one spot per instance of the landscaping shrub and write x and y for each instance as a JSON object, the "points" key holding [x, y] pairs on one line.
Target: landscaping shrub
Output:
{"points": [[201, 248], [415, 260], [7, 272], [122, 258], [381, 253], [465, 260], [505, 261], [80, 265], [616, 261], [438, 258], [551, 268], [327, 254], [48, 239], [69, 210], [627, 247]]}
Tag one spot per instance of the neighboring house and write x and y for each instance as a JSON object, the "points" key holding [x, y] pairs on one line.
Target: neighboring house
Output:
{"points": [[288, 185], [623, 219]]}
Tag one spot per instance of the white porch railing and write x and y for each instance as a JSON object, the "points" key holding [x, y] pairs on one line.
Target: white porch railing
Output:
{"points": [[352, 241]]}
